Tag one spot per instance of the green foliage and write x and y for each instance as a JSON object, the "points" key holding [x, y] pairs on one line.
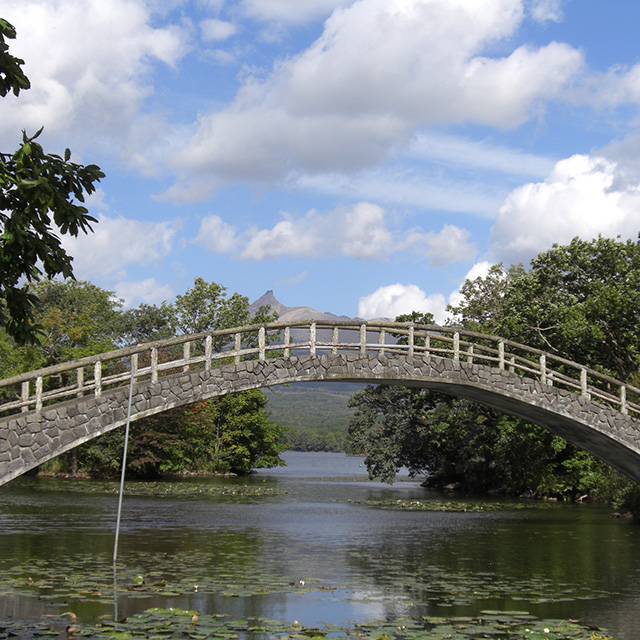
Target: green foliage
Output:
{"points": [[77, 319], [233, 433], [579, 301], [230, 434], [12, 78], [206, 306], [146, 322], [453, 440], [38, 191], [308, 439]]}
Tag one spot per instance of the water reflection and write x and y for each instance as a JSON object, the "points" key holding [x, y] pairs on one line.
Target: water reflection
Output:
{"points": [[248, 555]]}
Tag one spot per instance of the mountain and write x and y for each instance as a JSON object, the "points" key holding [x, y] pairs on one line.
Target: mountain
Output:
{"points": [[291, 314], [317, 413]]}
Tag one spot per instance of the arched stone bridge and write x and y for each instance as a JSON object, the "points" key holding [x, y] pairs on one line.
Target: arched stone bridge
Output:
{"points": [[53, 410]]}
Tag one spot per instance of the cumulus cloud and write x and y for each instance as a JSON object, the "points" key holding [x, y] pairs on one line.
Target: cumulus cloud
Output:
{"points": [[88, 62], [118, 242], [584, 196], [217, 236], [397, 299], [448, 245], [334, 108], [361, 231]]}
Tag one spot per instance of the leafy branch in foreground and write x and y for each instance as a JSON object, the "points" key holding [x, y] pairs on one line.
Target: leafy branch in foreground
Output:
{"points": [[41, 196]]}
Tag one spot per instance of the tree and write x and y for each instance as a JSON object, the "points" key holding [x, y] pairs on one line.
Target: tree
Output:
{"points": [[230, 434], [206, 307], [579, 301], [77, 319], [40, 196], [147, 322], [233, 433]]}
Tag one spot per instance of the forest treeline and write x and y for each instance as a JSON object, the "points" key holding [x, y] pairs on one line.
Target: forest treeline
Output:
{"points": [[579, 301], [231, 434]]}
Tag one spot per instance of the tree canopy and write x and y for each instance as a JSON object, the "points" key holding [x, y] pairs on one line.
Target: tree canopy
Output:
{"points": [[41, 196], [231, 434], [580, 301]]}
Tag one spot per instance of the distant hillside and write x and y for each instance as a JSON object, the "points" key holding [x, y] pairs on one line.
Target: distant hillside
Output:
{"points": [[316, 412]]}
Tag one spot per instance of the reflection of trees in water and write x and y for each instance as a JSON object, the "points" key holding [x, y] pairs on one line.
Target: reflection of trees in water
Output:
{"points": [[550, 562]]}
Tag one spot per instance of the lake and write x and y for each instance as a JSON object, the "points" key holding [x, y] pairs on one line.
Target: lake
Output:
{"points": [[314, 542]]}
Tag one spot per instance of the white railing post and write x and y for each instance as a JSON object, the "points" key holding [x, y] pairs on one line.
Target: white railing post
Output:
{"points": [[334, 341], [134, 364], [470, 354], [287, 341], [456, 347], [262, 340], [363, 339], [411, 340], [427, 346], [543, 368], [39, 394], [237, 345], [623, 399], [501, 355], [312, 339], [186, 354], [97, 379], [381, 341], [80, 380], [208, 352], [25, 396], [154, 365], [583, 383]]}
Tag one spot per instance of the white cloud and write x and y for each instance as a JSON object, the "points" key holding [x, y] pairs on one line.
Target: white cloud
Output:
{"points": [[546, 10], [286, 238], [336, 108], [118, 242], [451, 244], [410, 187], [214, 29], [88, 62], [287, 11], [216, 235], [148, 291], [397, 299], [361, 231], [584, 196], [462, 152]]}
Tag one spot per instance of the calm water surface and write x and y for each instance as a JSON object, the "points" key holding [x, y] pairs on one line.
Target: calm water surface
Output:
{"points": [[311, 527]]}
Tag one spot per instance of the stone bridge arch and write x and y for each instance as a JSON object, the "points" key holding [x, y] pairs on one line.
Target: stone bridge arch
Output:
{"points": [[595, 412]]}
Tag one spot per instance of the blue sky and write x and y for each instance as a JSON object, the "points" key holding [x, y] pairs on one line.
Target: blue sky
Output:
{"points": [[361, 157]]}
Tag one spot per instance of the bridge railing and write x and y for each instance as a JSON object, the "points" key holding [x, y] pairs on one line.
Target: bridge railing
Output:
{"points": [[96, 375]]}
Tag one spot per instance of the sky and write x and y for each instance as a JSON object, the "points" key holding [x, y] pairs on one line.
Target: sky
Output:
{"points": [[362, 157]]}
